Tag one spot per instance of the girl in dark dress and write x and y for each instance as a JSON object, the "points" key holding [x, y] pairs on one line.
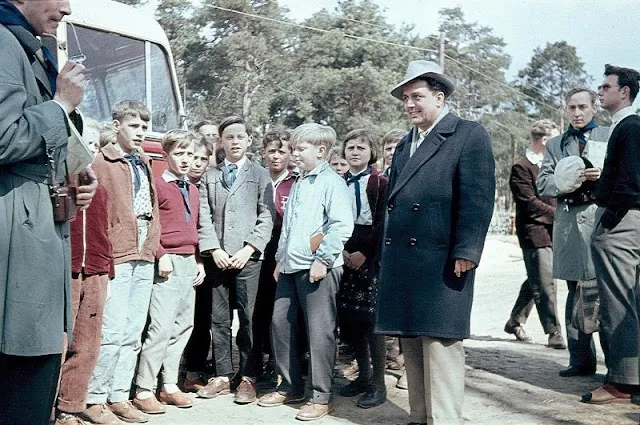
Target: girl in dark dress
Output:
{"points": [[359, 285]]}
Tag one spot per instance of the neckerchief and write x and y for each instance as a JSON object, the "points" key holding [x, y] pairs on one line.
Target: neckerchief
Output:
{"points": [[578, 133], [135, 162], [10, 15], [355, 179], [184, 189]]}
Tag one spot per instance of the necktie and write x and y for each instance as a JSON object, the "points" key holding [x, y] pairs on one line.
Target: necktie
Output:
{"points": [[135, 162], [229, 174], [356, 184], [184, 189], [416, 143]]}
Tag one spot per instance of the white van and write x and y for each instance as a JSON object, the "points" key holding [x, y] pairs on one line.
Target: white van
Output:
{"points": [[127, 56]]}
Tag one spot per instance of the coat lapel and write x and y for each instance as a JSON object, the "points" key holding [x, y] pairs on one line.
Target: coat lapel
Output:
{"points": [[427, 149], [241, 177]]}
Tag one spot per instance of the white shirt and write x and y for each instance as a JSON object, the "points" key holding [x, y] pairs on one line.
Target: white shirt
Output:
{"points": [[534, 158], [619, 116], [240, 162]]}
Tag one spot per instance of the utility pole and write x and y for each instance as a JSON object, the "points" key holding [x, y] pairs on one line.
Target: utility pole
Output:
{"points": [[441, 50]]}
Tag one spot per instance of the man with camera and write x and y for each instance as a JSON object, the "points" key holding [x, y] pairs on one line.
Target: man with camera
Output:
{"points": [[36, 106]]}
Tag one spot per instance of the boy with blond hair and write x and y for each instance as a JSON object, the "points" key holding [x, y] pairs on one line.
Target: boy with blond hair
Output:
{"points": [[318, 221], [134, 232], [173, 294]]}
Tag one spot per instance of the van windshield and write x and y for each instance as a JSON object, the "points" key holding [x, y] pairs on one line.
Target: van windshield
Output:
{"points": [[117, 70]]}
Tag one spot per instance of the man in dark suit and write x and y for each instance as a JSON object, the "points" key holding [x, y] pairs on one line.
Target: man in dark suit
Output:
{"points": [[615, 243], [534, 226], [441, 194]]}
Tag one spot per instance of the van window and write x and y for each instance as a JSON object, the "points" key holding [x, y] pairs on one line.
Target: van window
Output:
{"points": [[117, 69]]}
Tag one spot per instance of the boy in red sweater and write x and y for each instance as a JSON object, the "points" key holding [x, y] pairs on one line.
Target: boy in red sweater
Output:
{"points": [[173, 294]]}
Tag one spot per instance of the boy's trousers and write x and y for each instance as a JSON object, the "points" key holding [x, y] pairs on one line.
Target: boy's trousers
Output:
{"points": [[170, 323], [234, 289], [125, 315], [88, 298], [317, 302]]}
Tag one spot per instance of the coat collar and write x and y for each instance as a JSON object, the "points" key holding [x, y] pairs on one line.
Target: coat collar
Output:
{"points": [[408, 166], [111, 154], [31, 45], [240, 178]]}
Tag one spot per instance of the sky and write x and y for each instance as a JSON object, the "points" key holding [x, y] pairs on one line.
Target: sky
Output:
{"points": [[602, 31]]}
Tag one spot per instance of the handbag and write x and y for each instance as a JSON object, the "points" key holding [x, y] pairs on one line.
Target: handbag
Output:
{"points": [[586, 307]]}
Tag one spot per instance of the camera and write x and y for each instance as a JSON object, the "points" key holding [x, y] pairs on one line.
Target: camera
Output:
{"points": [[63, 199]]}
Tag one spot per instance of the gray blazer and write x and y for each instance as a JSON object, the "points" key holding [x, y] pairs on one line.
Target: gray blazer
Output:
{"points": [[35, 291], [232, 217], [572, 225]]}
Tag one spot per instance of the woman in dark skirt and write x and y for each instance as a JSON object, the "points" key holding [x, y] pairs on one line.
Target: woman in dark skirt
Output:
{"points": [[359, 285]]}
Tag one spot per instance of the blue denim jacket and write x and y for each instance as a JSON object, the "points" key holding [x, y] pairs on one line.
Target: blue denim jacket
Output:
{"points": [[318, 202]]}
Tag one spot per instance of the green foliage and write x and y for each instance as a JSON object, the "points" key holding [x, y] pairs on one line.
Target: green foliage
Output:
{"points": [[552, 72], [338, 69]]}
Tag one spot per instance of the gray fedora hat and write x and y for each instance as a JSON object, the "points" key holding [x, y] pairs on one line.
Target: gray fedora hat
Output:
{"points": [[423, 68]]}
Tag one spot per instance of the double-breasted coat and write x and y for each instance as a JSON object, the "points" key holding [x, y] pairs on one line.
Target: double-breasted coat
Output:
{"points": [[35, 276], [573, 224], [440, 203]]}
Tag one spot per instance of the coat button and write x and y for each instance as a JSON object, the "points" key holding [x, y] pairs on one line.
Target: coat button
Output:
{"points": [[413, 242], [415, 207], [390, 207], [387, 241]]}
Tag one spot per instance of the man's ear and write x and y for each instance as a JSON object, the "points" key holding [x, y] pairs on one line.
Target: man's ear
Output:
{"points": [[440, 99], [322, 151], [625, 91], [165, 155], [116, 125]]}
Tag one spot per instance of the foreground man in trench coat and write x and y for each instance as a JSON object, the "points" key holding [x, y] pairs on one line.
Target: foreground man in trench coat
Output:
{"points": [[35, 275], [441, 193]]}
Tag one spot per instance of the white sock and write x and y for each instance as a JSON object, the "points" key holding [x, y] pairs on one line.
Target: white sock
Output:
{"points": [[143, 394], [170, 388]]}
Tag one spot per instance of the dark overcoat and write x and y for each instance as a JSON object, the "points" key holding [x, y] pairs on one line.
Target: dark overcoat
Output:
{"points": [[439, 208]]}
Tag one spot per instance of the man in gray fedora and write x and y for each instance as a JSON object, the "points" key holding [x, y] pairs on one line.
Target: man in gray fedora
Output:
{"points": [[441, 193]]}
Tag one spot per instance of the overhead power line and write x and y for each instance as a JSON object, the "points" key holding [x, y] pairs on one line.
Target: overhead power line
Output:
{"points": [[373, 40]]}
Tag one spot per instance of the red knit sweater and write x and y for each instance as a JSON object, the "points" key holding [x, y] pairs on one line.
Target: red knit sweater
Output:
{"points": [[178, 236]]}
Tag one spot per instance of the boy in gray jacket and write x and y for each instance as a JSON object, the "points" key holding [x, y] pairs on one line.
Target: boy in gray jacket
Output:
{"points": [[318, 221]]}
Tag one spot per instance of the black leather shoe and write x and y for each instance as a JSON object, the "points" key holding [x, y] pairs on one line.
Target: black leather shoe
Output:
{"points": [[576, 371], [354, 388], [372, 398]]}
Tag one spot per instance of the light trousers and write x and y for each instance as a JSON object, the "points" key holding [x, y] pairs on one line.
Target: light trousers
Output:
{"points": [[435, 374], [125, 315], [170, 323]]}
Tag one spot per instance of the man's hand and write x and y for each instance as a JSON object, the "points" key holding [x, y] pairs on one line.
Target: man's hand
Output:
{"points": [[240, 258], [87, 185], [276, 272], [165, 266], [590, 174], [318, 271], [221, 258], [357, 259], [70, 86], [200, 276], [462, 265]]}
